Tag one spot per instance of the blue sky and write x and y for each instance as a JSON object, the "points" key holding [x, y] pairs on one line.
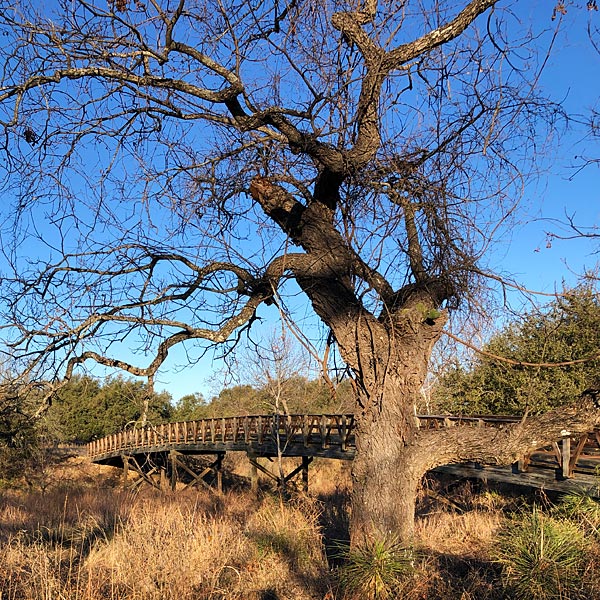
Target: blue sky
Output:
{"points": [[572, 75], [562, 189]]}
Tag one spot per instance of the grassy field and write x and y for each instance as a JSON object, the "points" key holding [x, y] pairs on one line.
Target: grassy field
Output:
{"points": [[89, 537]]}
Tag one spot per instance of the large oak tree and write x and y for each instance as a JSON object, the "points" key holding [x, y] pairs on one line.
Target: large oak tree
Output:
{"points": [[178, 164]]}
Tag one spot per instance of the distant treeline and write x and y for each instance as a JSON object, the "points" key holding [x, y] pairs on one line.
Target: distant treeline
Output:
{"points": [[88, 408]]}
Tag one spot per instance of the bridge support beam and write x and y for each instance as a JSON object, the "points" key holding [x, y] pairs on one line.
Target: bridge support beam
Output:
{"points": [[125, 473], [146, 475], [216, 467], [253, 475], [302, 470]]}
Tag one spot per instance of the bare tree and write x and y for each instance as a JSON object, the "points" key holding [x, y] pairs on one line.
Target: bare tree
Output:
{"points": [[178, 165], [275, 366]]}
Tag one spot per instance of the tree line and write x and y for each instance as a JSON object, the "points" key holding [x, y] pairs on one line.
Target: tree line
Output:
{"points": [[499, 381], [496, 382], [88, 407]]}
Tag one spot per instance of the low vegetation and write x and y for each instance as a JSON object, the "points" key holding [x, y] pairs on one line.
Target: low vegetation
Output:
{"points": [[87, 536]]}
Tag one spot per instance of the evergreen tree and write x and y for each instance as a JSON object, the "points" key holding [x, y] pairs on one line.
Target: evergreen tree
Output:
{"points": [[189, 408], [567, 330], [88, 408]]}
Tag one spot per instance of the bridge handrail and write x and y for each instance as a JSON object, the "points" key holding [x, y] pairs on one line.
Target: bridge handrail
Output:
{"points": [[247, 429], [307, 429]]}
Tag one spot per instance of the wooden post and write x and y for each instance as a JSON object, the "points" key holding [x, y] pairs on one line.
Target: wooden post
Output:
{"points": [[125, 473], [566, 457], [253, 474], [306, 460], [173, 465], [219, 471]]}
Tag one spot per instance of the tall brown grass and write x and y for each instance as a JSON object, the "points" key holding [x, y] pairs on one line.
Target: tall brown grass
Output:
{"points": [[91, 543], [89, 538]]}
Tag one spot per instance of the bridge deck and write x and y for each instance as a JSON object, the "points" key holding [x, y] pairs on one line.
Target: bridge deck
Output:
{"points": [[332, 436]]}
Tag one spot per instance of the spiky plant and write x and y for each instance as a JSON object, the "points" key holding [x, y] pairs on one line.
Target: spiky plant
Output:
{"points": [[582, 506], [376, 570], [542, 557]]}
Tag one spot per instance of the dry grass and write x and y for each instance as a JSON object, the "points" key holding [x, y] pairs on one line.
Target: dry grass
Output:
{"points": [[87, 538], [90, 543], [468, 534]]}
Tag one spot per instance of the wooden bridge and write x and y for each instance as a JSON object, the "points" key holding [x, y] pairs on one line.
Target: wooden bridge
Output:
{"points": [[158, 453]]}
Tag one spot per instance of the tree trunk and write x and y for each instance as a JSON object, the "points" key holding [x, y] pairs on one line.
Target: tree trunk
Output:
{"points": [[388, 354], [384, 488], [387, 471], [393, 455]]}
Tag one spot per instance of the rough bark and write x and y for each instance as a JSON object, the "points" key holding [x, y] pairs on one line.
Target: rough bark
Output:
{"points": [[393, 455]]}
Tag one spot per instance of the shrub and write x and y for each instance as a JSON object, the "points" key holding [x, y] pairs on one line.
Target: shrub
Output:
{"points": [[377, 570], [543, 557], [583, 507]]}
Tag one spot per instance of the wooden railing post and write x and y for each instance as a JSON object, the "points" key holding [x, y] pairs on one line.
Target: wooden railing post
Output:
{"points": [[343, 432], [566, 457], [246, 430]]}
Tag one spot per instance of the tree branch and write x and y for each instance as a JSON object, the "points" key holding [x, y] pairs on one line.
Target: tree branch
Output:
{"points": [[399, 56], [508, 443]]}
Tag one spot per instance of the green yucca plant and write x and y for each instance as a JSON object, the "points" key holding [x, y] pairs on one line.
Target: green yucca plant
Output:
{"points": [[583, 507], [376, 570], [542, 558]]}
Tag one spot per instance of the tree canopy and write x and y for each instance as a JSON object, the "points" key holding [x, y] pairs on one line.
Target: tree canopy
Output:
{"points": [[87, 407], [188, 164], [300, 396]]}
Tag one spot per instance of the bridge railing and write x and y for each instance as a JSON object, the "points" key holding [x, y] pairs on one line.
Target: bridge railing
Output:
{"points": [[325, 432], [322, 430], [441, 421]]}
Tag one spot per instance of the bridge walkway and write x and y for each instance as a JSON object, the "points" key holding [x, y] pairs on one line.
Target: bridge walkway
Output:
{"points": [[158, 453]]}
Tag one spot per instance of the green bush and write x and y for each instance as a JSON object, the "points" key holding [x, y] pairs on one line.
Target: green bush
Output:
{"points": [[543, 558], [376, 571], [583, 507]]}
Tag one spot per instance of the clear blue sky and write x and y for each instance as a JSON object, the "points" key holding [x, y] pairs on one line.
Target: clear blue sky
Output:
{"points": [[563, 189]]}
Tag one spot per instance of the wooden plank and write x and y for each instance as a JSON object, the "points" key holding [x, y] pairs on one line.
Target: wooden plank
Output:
{"points": [[173, 464], [253, 476], [343, 432], [219, 470], [557, 453], [577, 453]]}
